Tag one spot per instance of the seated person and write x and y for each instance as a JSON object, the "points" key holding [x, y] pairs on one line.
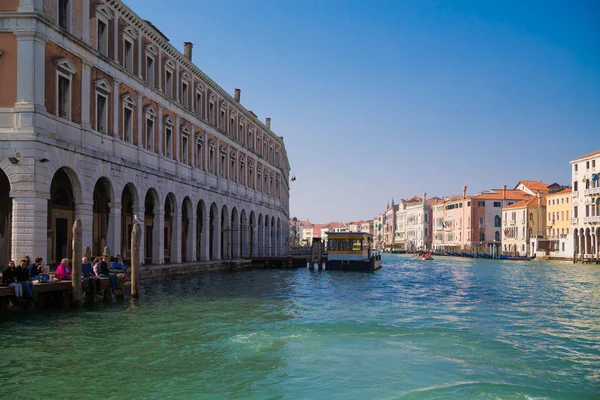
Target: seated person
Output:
{"points": [[87, 272], [9, 278], [104, 272], [43, 274], [118, 264], [24, 280], [63, 271]]}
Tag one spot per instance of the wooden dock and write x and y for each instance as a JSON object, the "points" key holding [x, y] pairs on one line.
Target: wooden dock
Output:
{"points": [[54, 294]]}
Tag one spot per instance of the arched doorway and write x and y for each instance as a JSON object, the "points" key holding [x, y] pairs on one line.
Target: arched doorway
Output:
{"points": [[244, 251], [252, 233], [151, 236], [61, 214], [103, 197], [225, 255], [5, 219], [170, 226], [186, 234], [199, 231], [213, 243], [129, 204], [235, 234]]}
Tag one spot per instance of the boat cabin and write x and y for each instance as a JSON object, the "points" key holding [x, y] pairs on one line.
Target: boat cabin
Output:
{"points": [[351, 250]]}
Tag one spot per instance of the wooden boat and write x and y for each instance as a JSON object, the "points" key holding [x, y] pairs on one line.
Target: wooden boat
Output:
{"points": [[517, 258], [351, 251]]}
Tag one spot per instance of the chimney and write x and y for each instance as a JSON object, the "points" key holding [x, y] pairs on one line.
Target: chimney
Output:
{"points": [[464, 192], [539, 197], [504, 192], [424, 198], [236, 94], [187, 50], [268, 123]]}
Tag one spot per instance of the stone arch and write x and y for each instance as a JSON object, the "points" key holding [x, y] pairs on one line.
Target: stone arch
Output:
{"points": [[252, 241], [170, 228], [201, 247], [235, 234], [102, 229], [152, 231], [214, 233], [130, 207], [244, 250], [5, 219], [64, 206], [225, 254], [187, 240]]}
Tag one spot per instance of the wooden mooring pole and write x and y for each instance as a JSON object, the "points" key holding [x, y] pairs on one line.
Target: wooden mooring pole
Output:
{"points": [[76, 263], [136, 238]]}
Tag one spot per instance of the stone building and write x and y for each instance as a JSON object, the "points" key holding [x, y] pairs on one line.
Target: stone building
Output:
{"points": [[103, 120], [586, 205]]}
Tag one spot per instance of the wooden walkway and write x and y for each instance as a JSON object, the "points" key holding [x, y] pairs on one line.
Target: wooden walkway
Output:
{"points": [[54, 295]]}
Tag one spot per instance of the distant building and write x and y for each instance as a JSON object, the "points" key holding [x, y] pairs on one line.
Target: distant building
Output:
{"points": [[586, 205], [414, 222], [559, 207], [524, 224]]}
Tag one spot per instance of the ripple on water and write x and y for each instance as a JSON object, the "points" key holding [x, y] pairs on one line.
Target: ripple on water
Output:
{"points": [[451, 328]]}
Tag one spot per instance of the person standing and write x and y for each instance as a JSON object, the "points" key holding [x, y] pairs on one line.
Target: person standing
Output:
{"points": [[9, 278]]}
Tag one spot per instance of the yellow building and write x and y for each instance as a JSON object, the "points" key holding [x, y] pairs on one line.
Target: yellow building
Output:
{"points": [[559, 222]]}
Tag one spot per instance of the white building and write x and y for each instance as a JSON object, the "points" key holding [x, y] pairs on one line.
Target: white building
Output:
{"points": [[586, 205], [103, 120]]}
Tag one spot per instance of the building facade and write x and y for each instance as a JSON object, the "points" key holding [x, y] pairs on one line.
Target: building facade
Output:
{"points": [[523, 225], [586, 205], [103, 120], [414, 223], [559, 223]]}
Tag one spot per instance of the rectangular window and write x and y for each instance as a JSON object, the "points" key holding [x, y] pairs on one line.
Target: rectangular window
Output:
{"points": [[481, 204], [168, 141], [199, 104], [128, 55], [184, 94], [199, 154], [128, 125], [575, 167], [149, 134], [169, 83], [575, 212], [101, 113], [593, 163], [222, 121], [102, 38], [587, 165], [184, 149], [150, 71], [497, 204], [211, 113], [64, 97], [64, 14]]}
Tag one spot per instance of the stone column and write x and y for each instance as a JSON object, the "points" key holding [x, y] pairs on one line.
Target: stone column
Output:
{"points": [[235, 239], [205, 239], [86, 22], [254, 233], [86, 94], [140, 54], [31, 6], [116, 38], [177, 133], [29, 224], [30, 80], [116, 98], [261, 239], [158, 239], [216, 231], [176, 238], [160, 70], [114, 226], [191, 241], [84, 211], [160, 130]]}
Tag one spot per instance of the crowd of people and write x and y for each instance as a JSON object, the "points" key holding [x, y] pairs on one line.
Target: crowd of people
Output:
{"points": [[21, 278]]}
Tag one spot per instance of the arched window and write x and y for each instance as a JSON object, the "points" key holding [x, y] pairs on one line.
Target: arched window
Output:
{"points": [[523, 232], [531, 216], [497, 221], [481, 222], [497, 236], [481, 236]]}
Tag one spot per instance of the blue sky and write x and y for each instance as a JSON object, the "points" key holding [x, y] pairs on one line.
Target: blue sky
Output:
{"points": [[382, 99]]}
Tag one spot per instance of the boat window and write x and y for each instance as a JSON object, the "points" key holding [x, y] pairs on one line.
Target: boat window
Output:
{"points": [[356, 244]]}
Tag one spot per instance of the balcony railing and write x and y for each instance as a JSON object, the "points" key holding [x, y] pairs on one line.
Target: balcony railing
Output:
{"points": [[574, 221], [592, 191], [591, 220]]}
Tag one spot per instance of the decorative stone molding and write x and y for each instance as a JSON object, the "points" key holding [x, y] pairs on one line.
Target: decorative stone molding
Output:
{"points": [[65, 65], [101, 84]]}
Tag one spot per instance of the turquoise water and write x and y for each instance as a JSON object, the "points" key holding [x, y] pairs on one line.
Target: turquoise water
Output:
{"points": [[450, 328]]}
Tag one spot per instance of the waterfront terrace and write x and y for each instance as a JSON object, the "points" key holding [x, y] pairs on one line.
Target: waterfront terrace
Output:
{"points": [[103, 120]]}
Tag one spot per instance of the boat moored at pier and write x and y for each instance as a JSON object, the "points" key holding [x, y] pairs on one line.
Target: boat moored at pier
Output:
{"points": [[352, 251]]}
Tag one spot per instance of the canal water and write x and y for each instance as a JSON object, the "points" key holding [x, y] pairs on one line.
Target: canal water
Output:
{"points": [[448, 328]]}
